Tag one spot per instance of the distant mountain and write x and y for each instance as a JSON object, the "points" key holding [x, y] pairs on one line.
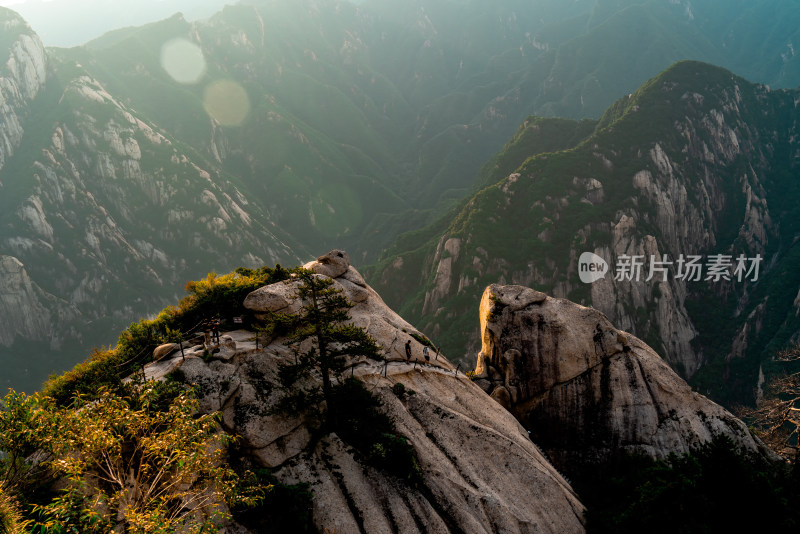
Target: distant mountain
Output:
{"points": [[696, 162], [68, 23], [101, 211], [389, 108], [131, 164]]}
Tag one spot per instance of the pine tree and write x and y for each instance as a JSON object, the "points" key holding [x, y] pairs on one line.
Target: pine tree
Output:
{"points": [[322, 321], [776, 419]]}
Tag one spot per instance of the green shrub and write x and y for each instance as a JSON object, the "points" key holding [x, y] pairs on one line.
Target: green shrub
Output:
{"points": [[402, 392], [224, 295], [101, 368], [147, 456], [361, 424], [215, 296], [278, 508]]}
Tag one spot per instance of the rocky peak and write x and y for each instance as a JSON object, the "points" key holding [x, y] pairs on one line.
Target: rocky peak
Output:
{"points": [[696, 163], [22, 75], [480, 470], [585, 389]]}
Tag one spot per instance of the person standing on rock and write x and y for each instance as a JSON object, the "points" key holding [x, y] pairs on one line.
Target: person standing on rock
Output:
{"points": [[215, 330], [425, 353], [408, 350]]}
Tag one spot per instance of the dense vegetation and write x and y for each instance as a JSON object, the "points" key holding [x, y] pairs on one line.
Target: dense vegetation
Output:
{"points": [[139, 459], [713, 489]]}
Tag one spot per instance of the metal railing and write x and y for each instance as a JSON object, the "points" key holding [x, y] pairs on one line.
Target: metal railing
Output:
{"points": [[127, 367]]}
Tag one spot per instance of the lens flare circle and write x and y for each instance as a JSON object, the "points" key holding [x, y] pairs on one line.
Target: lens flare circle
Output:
{"points": [[183, 60], [226, 102]]}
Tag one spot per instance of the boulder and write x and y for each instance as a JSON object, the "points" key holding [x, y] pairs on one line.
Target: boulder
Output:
{"points": [[586, 390], [227, 341], [165, 350], [273, 298], [334, 264]]}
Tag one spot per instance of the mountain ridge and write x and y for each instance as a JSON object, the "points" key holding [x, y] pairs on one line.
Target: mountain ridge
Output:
{"points": [[660, 167]]}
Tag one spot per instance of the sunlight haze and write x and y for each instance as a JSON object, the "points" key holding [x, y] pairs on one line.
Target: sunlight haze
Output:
{"points": [[67, 23]]}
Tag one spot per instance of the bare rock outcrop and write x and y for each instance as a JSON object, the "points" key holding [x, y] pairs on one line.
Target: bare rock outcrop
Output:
{"points": [[22, 75], [333, 264], [586, 390], [26, 310], [457, 432]]}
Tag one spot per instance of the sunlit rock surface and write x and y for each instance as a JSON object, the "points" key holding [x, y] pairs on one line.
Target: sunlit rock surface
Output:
{"points": [[481, 472], [585, 389]]}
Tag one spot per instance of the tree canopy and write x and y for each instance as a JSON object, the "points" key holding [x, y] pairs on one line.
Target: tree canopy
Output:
{"points": [[145, 462]]}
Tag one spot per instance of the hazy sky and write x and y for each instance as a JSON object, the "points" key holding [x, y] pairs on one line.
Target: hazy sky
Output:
{"points": [[74, 22]]}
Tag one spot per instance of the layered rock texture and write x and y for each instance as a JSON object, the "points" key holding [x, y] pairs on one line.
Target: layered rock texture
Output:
{"points": [[586, 390], [455, 429]]}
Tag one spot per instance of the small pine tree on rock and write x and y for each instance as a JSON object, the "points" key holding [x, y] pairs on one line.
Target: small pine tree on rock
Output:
{"points": [[321, 339]]}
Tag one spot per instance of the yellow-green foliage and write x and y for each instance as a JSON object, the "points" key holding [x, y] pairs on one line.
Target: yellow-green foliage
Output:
{"points": [[10, 520], [215, 296], [144, 462], [100, 368], [224, 295]]}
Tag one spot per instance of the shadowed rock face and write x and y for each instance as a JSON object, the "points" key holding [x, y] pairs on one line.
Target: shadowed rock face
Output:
{"points": [[480, 470], [586, 390]]}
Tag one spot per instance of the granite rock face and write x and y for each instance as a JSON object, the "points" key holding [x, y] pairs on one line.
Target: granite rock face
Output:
{"points": [[457, 431], [26, 310], [21, 78], [653, 185], [585, 389]]}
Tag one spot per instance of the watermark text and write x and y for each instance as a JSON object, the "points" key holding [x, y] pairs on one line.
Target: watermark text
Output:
{"points": [[690, 268]]}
